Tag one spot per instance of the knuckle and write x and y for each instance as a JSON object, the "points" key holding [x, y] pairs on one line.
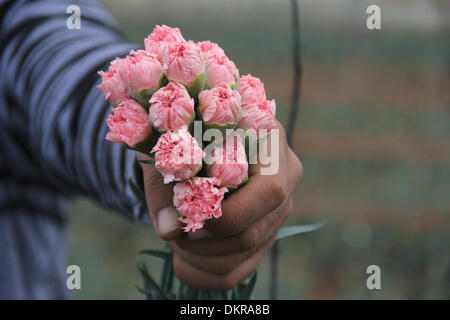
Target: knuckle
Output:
{"points": [[281, 128], [231, 226], [279, 192], [290, 205], [249, 239], [297, 166], [298, 169]]}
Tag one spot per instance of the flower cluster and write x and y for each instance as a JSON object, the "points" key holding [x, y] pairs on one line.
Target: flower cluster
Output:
{"points": [[228, 163], [198, 200], [257, 112], [177, 155], [158, 93]]}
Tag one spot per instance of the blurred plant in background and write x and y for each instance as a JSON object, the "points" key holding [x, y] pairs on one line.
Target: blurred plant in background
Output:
{"points": [[373, 135], [170, 288]]}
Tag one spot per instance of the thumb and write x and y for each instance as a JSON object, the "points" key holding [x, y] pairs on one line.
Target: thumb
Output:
{"points": [[159, 202]]}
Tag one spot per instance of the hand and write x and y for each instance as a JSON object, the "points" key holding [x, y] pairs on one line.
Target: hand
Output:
{"points": [[229, 248]]}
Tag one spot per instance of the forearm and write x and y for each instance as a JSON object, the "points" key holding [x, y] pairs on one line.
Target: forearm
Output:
{"points": [[51, 106]]}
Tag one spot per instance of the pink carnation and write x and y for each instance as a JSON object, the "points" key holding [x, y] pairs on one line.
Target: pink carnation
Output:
{"points": [[220, 106], [257, 116], [129, 124], [198, 200], [177, 155], [171, 107], [183, 62], [113, 86], [210, 48], [160, 38], [221, 71], [141, 70], [228, 162], [251, 90]]}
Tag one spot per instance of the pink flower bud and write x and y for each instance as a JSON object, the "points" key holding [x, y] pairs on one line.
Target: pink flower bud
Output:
{"points": [[129, 124], [113, 86], [177, 155], [183, 62], [220, 107], [251, 90], [210, 48], [142, 72], [198, 200], [228, 162], [257, 116], [171, 107], [160, 38], [221, 71]]}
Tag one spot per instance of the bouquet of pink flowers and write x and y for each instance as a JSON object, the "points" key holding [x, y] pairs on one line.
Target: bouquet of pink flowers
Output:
{"points": [[158, 93]]}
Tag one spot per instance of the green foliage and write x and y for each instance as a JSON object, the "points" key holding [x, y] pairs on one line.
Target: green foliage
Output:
{"points": [[150, 161], [138, 193], [165, 289], [295, 230]]}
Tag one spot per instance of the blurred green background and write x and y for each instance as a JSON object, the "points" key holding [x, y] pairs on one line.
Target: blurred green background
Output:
{"points": [[372, 133]]}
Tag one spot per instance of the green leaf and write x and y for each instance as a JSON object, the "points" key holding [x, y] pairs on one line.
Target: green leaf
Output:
{"points": [[197, 85], [192, 293], [145, 146], [146, 292], [138, 193], [204, 295], [150, 282], [168, 275], [247, 289], [295, 230], [234, 294], [213, 295], [243, 291], [167, 271], [138, 98], [156, 253], [182, 291], [225, 295], [151, 161]]}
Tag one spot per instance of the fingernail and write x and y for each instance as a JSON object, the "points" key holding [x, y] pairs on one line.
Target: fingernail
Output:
{"points": [[167, 220]]}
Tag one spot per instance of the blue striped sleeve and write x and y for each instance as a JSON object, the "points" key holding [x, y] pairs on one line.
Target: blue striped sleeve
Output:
{"points": [[52, 115]]}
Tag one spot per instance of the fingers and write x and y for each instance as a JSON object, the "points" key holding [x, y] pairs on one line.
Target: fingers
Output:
{"points": [[251, 238], [201, 279], [225, 252], [159, 201], [261, 195], [214, 264], [244, 207], [295, 168]]}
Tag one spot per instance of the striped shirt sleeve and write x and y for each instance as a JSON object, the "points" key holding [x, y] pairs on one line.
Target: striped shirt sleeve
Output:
{"points": [[52, 115]]}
